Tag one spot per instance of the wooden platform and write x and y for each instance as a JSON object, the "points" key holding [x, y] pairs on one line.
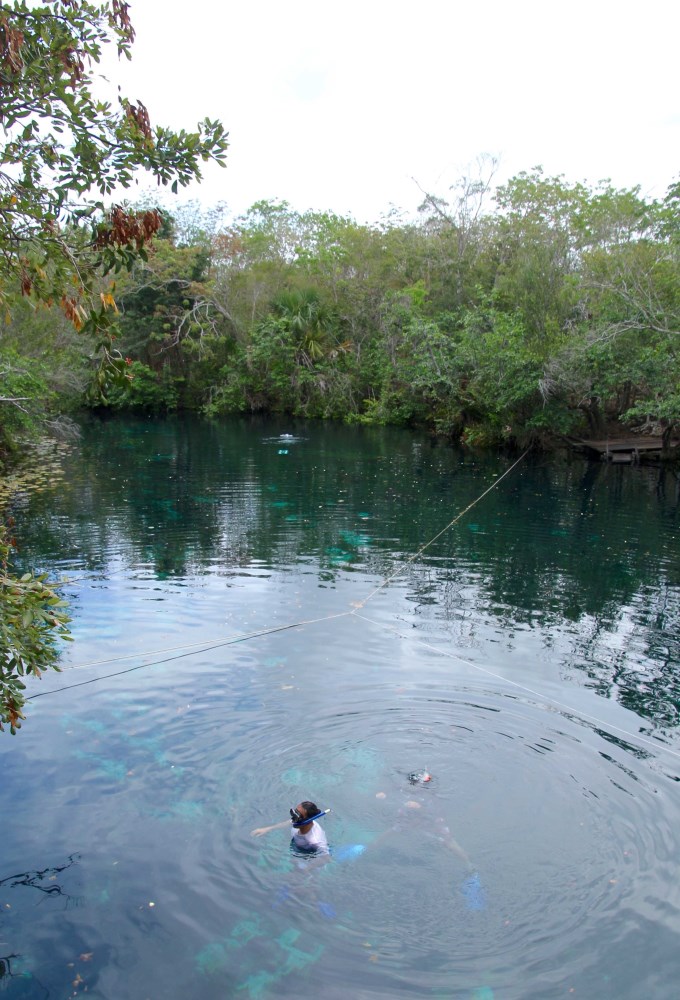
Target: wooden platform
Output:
{"points": [[631, 449]]}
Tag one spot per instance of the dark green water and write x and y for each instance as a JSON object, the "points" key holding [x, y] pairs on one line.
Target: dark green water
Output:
{"points": [[529, 658]]}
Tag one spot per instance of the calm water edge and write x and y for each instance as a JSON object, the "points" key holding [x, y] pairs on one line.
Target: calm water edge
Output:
{"points": [[256, 623]]}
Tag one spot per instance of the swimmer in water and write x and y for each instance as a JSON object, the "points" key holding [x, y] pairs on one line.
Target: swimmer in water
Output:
{"points": [[430, 825], [307, 838], [307, 835]]}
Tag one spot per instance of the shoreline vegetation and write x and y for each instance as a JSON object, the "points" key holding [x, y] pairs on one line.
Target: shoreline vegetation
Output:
{"points": [[537, 312]]}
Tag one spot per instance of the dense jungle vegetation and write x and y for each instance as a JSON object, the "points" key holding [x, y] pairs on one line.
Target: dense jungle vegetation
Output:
{"points": [[533, 310]]}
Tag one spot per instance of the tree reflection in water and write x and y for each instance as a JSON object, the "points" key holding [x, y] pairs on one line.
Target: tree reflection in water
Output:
{"points": [[34, 880]]}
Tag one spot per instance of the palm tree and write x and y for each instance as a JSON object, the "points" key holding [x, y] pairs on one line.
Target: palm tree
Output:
{"points": [[308, 321]]}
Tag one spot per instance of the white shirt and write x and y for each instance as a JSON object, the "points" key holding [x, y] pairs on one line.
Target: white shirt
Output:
{"points": [[315, 840]]}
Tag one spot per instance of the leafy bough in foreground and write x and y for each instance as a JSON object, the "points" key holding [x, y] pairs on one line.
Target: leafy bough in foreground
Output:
{"points": [[32, 618]]}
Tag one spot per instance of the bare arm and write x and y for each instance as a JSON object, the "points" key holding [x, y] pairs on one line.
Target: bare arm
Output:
{"points": [[260, 830]]}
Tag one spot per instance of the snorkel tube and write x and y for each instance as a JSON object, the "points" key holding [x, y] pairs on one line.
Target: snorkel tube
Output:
{"points": [[297, 820]]}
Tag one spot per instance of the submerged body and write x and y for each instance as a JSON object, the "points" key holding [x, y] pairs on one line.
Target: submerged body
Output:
{"points": [[313, 841], [306, 834]]}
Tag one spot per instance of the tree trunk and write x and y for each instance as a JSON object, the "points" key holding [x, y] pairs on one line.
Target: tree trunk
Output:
{"points": [[594, 416], [667, 451]]}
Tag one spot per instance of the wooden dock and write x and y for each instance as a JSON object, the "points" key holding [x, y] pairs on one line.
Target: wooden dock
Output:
{"points": [[620, 450]]}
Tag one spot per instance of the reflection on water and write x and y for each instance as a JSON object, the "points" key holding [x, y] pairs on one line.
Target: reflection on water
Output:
{"points": [[45, 880], [528, 659]]}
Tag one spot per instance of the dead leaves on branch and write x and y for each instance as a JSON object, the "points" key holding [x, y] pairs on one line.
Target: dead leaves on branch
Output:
{"points": [[138, 116], [71, 57], [128, 229], [120, 238], [73, 311], [11, 42], [120, 21]]}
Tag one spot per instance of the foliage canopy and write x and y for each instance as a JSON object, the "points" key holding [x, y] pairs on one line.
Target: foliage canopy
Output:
{"points": [[65, 149], [554, 310]]}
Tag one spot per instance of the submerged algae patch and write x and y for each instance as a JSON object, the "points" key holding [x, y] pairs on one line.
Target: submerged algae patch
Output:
{"points": [[217, 955], [116, 769], [231, 954]]}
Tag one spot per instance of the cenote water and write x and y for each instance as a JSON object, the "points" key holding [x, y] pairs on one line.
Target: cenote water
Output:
{"points": [[235, 653]]}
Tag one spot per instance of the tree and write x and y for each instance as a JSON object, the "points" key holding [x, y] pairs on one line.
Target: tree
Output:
{"points": [[456, 226], [618, 361], [65, 150], [307, 320]]}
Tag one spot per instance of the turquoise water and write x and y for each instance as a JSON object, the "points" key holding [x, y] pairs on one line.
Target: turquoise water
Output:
{"points": [[528, 658]]}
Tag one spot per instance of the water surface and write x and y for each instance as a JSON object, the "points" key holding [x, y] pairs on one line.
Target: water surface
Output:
{"points": [[528, 658]]}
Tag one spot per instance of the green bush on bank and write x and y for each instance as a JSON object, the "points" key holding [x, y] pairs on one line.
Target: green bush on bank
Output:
{"points": [[32, 620], [141, 389]]}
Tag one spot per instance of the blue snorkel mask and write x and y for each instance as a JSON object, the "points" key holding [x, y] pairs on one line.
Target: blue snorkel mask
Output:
{"points": [[298, 820]]}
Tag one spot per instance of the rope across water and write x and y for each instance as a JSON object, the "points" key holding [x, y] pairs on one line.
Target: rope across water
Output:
{"points": [[242, 637], [194, 648]]}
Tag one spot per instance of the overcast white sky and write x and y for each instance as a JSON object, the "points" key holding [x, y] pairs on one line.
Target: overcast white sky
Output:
{"points": [[339, 105]]}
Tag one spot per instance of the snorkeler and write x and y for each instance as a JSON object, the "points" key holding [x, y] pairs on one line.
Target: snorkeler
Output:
{"points": [[431, 825], [307, 835], [435, 827]]}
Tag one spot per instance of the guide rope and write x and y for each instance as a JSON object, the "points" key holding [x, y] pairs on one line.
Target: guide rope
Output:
{"points": [[407, 562], [208, 645], [537, 695], [230, 641]]}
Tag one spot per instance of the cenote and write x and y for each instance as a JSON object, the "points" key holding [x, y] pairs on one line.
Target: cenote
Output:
{"points": [[256, 623]]}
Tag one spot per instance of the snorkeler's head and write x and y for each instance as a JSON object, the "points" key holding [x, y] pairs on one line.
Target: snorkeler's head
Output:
{"points": [[420, 777], [300, 815]]}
